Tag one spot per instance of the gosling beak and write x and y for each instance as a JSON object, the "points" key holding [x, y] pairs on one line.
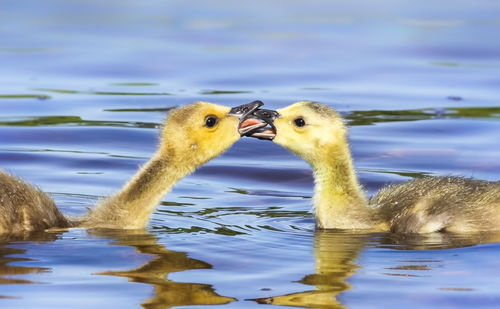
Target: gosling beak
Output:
{"points": [[259, 124], [244, 111]]}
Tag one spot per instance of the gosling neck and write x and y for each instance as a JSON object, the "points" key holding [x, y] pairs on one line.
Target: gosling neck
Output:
{"points": [[131, 207], [339, 200]]}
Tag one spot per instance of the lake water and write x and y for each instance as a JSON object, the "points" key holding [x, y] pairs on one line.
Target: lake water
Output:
{"points": [[84, 86]]}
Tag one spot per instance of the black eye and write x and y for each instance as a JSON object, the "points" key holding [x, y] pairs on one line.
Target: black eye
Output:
{"points": [[211, 121], [299, 122]]}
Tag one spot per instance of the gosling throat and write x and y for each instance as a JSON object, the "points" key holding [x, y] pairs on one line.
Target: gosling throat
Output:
{"points": [[339, 199]]}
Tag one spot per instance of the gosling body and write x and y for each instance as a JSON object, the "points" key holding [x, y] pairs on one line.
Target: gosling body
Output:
{"points": [[25, 208], [318, 134], [432, 204]]}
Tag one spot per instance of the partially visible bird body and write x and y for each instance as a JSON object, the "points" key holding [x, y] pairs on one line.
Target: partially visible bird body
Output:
{"points": [[24, 208], [431, 204]]}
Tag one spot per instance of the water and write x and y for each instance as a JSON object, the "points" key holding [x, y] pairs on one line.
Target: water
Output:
{"points": [[84, 86]]}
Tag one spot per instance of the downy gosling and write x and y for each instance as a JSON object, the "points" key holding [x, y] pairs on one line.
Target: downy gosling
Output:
{"points": [[317, 134], [191, 136]]}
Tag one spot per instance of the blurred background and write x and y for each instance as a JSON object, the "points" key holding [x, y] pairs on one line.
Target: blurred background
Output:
{"points": [[276, 50]]}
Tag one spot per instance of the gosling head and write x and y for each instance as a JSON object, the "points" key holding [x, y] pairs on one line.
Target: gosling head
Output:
{"points": [[196, 133], [310, 130]]}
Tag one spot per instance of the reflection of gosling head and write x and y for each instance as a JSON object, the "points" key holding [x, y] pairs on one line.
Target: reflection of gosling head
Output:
{"points": [[312, 131], [196, 133]]}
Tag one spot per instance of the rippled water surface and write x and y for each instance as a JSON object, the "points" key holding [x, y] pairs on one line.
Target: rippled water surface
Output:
{"points": [[85, 85]]}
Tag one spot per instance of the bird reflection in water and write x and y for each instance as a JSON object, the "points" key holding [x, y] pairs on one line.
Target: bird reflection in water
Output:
{"points": [[155, 272], [336, 253], [10, 255], [167, 293]]}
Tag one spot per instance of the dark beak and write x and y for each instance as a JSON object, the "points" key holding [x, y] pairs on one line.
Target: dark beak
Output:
{"points": [[259, 124], [244, 111]]}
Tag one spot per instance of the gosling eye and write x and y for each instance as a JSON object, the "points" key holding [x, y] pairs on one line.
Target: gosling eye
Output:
{"points": [[211, 121], [299, 122]]}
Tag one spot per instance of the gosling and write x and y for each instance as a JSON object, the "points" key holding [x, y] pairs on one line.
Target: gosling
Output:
{"points": [[191, 136], [317, 134]]}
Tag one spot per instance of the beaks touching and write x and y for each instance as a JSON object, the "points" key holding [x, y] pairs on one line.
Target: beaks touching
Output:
{"points": [[243, 111], [255, 122], [259, 124]]}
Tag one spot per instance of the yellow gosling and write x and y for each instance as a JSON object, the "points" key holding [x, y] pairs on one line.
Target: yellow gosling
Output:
{"points": [[317, 134], [191, 136]]}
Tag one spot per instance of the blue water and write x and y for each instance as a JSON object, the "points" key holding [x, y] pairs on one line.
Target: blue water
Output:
{"points": [[85, 85]]}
